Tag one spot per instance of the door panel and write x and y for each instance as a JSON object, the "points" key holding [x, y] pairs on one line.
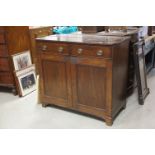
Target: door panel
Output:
{"points": [[90, 86], [54, 80], [90, 82]]}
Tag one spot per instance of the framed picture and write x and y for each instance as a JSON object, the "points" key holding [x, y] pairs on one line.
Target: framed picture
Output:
{"points": [[22, 60], [26, 80], [140, 69]]}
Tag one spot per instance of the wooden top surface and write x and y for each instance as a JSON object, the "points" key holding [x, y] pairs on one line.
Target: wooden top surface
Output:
{"points": [[84, 39], [120, 33], [38, 27]]}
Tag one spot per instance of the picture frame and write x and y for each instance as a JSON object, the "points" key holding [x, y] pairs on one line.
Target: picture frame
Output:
{"points": [[22, 60], [26, 80], [140, 70]]}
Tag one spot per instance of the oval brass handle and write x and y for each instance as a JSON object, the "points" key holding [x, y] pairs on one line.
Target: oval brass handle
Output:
{"points": [[44, 47], [99, 53], [60, 49], [79, 50]]}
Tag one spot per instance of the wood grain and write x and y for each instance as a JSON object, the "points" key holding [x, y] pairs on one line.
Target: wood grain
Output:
{"points": [[84, 82], [13, 40]]}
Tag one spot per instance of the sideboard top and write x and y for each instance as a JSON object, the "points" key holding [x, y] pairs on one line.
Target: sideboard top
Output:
{"points": [[84, 38], [120, 33]]}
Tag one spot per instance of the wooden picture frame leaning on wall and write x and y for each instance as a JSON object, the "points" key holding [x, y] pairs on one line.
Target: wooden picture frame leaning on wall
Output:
{"points": [[21, 60], [26, 80]]}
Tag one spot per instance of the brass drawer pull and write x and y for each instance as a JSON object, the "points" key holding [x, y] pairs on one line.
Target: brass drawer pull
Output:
{"points": [[44, 47], [79, 51], [60, 49], [99, 53]]}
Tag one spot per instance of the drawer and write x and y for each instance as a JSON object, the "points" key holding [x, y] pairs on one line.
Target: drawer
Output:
{"points": [[53, 48], [4, 64], [6, 78], [3, 51], [92, 51], [2, 38]]}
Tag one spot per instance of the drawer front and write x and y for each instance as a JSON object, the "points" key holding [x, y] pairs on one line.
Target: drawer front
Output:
{"points": [[92, 51], [6, 78], [3, 51], [53, 48], [4, 64], [2, 38]]}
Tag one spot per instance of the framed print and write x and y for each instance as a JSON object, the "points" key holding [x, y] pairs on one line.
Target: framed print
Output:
{"points": [[24, 71], [26, 80], [140, 69], [21, 60]]}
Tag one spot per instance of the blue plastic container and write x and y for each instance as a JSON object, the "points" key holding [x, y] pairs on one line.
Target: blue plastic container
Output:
{"points": [[65, 29]]}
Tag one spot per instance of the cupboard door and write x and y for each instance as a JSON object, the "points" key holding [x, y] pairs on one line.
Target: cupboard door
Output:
{"points": [[91, 84], [55, 80]]}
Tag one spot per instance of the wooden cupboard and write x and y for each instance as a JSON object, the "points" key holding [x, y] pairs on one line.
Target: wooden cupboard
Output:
{"points": [[13, 40], [85, 73]]}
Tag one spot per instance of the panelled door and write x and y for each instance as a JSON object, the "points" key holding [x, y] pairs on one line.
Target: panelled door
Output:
{"points": [[91, 85], [55, 79]]}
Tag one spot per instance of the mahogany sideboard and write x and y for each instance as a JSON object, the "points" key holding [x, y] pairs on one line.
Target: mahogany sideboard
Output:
{"points": [[84, 73], [13, 39]]}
